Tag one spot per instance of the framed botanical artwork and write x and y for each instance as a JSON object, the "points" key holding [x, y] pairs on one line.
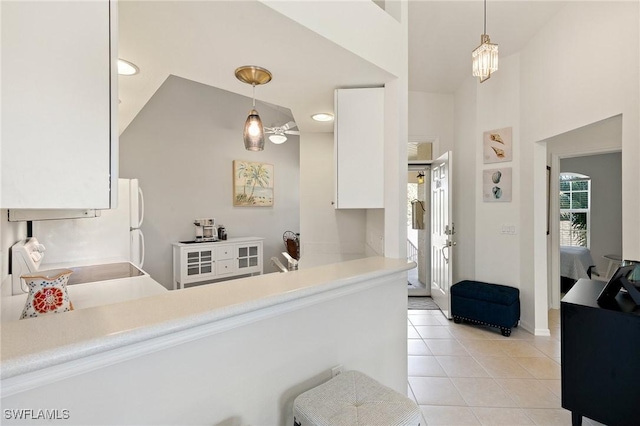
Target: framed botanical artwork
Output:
{"points": [[497, 146], [252, 184], [496, 185]]}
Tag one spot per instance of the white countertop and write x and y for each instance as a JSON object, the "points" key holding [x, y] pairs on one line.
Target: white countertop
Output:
{"points": [[227, 241], [91, 294], [36, 343]]}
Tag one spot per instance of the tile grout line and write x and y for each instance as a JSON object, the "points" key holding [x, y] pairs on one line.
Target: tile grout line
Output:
{"points": [[474, 355]]}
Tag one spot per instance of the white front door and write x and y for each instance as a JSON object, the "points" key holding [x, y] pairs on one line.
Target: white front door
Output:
{"points": [[442, 231]]}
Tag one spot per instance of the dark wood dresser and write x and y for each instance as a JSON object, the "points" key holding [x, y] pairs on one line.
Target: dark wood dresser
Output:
{"points": [[600, 356]]}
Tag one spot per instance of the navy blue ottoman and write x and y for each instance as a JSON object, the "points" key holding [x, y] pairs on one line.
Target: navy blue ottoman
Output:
{"points": [[488, 304]]}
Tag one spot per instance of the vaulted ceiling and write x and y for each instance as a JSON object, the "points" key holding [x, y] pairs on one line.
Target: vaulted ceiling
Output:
{"points": [[206, 41], [442, 35]]}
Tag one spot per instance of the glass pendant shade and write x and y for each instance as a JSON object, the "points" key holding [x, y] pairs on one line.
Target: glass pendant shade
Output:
{"points": [[278, 139], [485, 58], [253, 134]]}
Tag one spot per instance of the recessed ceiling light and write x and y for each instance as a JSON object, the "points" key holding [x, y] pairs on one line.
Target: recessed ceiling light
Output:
{"points": [[127, 68], [323, 116]]}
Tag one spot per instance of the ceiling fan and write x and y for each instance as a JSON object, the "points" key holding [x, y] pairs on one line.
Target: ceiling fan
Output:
{"points": [[277, 133]]}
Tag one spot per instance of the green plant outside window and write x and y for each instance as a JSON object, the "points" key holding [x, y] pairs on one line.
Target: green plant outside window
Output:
{"points": [[575, 198]]}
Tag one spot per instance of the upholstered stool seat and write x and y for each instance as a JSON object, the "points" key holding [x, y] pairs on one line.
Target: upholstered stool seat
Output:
{"points": [[483, 303], [354, 399]]}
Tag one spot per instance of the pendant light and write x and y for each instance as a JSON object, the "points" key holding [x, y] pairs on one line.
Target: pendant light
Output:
{"points": [[253, 133], [485, 56]]}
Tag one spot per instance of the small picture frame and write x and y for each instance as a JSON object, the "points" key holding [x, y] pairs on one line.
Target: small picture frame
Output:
{"points": [[617, 281], [252, 184], [497, 146], [497, 185]]}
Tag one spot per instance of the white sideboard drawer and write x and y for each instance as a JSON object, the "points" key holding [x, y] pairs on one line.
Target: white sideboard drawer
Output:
{"points": [[226, 252], [226, 267]]}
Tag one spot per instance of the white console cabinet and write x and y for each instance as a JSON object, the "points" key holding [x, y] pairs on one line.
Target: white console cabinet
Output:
{"points": [[207, 262], [59, 104]]}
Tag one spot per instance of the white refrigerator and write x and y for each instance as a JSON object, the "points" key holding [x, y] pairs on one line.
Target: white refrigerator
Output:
{"points": [[114, 236]]}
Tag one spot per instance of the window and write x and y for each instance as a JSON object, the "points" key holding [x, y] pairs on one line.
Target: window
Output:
{"points": [[575, 204]]}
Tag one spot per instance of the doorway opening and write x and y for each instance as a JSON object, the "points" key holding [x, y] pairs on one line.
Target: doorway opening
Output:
{"points": [[418, 232], [581, 243], [590, 215]]}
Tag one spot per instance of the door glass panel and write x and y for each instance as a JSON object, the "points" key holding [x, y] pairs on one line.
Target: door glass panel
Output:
{"points": [[253, 261], [193, 270], [193, 255], [242, 251], [206, 269], [253, 251], [242, 263]]}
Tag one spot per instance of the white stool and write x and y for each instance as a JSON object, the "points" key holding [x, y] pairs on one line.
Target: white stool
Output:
{"points": [[354, 399]]}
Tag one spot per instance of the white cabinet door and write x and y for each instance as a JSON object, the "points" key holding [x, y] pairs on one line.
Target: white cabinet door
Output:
{"points": [[59, 93], [359, 148], [249, 258], [198, 264]]}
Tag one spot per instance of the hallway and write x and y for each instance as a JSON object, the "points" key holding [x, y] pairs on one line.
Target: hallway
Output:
{"points": [[461, 374]]}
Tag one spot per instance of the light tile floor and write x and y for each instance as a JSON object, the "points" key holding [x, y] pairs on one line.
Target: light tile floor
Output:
{"points": [[462, 374]]}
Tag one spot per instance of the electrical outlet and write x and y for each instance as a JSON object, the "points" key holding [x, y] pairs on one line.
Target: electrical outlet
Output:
{"points": [[338, 369]]}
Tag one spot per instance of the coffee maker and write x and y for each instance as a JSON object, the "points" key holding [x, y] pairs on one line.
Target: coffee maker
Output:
{"points": [[206, 230]]}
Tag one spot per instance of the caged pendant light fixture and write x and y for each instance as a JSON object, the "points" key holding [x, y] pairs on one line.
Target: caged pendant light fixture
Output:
{"points": [[485, 56], [253, 133]]}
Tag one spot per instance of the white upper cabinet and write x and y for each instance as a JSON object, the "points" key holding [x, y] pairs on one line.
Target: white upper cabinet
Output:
{"points": [[59, 104], [359, 148]]}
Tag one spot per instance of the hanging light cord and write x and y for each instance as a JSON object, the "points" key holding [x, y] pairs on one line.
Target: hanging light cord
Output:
{"points": [[254, 94], [485, 17]]}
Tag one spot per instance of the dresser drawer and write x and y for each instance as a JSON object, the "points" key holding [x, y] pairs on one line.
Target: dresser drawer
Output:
{"points": [[226, 266], [226, 252]]}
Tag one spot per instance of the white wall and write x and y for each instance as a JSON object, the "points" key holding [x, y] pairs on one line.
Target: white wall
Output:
{"points": [[395, 164], [181, 147], [464, 174], [247, 371], [431, 116], [379, 38], [497, 255], [555, 84], [327, 235], [606, 202], [563, 87]]}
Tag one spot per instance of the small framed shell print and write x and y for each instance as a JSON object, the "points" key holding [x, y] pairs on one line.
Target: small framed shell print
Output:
{"points": [[497, 146], [496, 185]]}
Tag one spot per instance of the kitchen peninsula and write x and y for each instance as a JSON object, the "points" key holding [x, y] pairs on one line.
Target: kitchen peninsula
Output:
{"points": [[240, 349]]}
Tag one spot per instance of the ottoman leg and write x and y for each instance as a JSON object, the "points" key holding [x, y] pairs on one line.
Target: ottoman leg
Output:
{"points": [[505, 331], [457, 319]]}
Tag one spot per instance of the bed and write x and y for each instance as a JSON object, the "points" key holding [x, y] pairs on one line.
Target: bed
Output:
{"points": [[575, 263]]}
